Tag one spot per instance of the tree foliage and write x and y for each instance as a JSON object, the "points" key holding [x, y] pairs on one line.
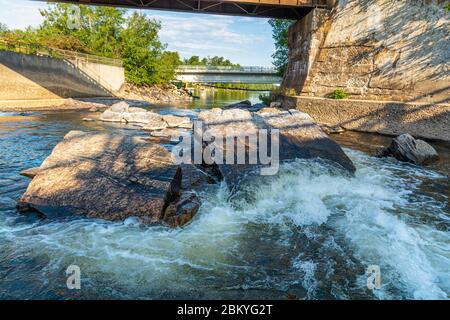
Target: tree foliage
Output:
{"points": [[107, 32], [3, 28], [338, 94], [209, 61], [280, 36], [144, 56]]}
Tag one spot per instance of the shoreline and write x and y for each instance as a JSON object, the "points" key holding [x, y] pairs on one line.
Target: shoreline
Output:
{"points": [[430, 121], [137, 96]]}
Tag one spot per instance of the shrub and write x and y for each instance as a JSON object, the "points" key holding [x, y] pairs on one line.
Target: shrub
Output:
{"points": [[338, 94], [266, 98]]}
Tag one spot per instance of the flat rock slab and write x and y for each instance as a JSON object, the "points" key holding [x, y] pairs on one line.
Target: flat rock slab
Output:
{"points": [[108, 176], [176, 121], [123, 112], [300, 138]]}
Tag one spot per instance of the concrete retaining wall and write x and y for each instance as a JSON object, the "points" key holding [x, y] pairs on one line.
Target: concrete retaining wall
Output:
{"points": [[110, 77], [24, 77], [430, 121]]}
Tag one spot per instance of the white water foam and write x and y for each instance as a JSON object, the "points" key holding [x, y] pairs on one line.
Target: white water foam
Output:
{"points": [[366, 210]]}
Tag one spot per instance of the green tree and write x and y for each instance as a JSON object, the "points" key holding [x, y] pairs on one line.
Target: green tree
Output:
{"points": [[209, 61], [193, 61], [3, 28], [106, 32], [54, 30], [280, 35], [144, 56], [98, 31], [107, 25], [165, 70]]}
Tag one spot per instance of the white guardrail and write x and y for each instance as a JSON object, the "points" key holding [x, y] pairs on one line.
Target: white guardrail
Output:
{"points": [[222, 69]]}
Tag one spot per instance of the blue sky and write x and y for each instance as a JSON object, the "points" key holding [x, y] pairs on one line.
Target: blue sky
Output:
{"points": [[247, 41]]}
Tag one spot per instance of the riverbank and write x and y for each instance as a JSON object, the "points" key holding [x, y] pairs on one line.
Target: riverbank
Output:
{"points": [[137, 96], [157, 94], [422, 120]]}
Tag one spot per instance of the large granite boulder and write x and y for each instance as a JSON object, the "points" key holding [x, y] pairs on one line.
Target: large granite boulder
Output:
{"points": [[123, 112], [112, 177], [407, 149], [299, 138]]}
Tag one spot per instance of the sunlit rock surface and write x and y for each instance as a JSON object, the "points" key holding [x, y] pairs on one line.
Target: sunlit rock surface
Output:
{"points": [[407, 149], [109, 176], [299, 138], [150, 121]]}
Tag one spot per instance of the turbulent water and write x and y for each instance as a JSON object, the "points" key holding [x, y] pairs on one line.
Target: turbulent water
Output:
{"points": [[310, 232]]}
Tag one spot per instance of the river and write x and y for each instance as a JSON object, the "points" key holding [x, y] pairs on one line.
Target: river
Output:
{"points": [[216, 97], [308, 233]]}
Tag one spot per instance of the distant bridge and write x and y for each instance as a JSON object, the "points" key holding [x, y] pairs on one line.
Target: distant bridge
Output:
{"points": [[203, 74], [282, 9]]}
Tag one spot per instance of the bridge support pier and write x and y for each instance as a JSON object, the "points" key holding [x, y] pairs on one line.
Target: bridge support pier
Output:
{"points": [[373, 50], [305, 38], [393, 69]]}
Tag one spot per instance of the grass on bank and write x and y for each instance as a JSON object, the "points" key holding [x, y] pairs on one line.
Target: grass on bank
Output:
{"points": [[338, 94]]}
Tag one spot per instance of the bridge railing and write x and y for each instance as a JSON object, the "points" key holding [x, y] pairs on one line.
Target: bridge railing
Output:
{"points": [[243, 69]]}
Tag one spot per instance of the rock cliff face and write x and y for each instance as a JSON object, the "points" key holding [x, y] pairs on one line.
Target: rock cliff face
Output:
{"points": [[373, 49]]}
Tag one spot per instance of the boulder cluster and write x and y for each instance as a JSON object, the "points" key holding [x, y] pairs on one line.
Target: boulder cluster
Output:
{"points": [[115, 176]]}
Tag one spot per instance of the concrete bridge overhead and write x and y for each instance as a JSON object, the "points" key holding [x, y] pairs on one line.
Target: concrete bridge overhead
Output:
{"points": [[203, 74], [282, 9]]}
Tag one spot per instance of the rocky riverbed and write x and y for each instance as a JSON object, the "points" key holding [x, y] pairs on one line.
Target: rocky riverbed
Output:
{"points": [[115, 177], [308, 233]]}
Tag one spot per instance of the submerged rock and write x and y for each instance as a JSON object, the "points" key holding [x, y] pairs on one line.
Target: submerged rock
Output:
{"points": [[275, 104], [242, 104], [176, 121], [107, 176], [407, 149], [332, 129], [246, 105]]}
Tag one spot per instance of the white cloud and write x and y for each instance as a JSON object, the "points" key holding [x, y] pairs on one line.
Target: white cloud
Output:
{"points": [[204, 35], [21, 14]]}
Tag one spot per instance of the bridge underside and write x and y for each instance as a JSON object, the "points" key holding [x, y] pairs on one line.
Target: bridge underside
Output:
{"points": [[282, 9]]}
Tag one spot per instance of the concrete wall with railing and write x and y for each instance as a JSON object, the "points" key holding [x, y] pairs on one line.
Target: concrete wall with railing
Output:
{"points": [[29, 77], [111, 77], [56, 74]]}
